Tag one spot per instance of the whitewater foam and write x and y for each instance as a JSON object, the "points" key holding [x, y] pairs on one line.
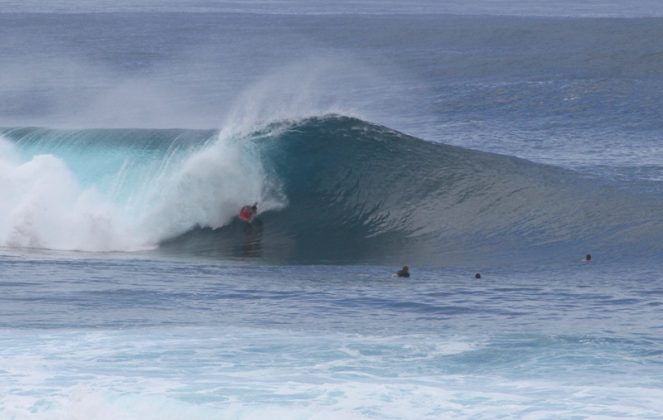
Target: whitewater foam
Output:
{"points": [[130, 206], [222, 372], [44, 206], [208, 188]]}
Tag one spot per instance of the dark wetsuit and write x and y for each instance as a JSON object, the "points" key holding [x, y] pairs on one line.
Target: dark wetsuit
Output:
{"points": [[404, 272]]}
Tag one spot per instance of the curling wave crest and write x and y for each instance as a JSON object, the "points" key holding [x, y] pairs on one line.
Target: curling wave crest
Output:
{"points": [[329, 188]]}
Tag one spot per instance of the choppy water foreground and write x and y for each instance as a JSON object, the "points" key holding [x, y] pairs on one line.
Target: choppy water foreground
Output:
{"points": [[153, 339]]}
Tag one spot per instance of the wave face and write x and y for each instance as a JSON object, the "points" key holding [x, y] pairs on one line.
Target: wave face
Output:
{"points": [[331, 189]]}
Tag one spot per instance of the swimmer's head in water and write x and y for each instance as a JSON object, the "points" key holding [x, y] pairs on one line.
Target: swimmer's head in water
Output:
{"points": [[588, 257]]}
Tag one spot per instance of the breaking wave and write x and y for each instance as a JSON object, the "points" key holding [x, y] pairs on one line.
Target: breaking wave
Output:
{"points": [[329, 188]]}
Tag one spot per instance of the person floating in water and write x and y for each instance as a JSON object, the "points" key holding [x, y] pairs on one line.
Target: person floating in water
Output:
{"points": [[403, 272], [247, 213], [587, 258]]}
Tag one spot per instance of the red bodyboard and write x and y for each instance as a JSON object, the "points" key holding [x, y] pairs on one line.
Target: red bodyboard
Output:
{"points": [[246, 214]]}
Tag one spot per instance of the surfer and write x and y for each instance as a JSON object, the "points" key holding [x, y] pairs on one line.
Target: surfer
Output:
{"points": [[247, 213], [403, 272], [587, 258]]}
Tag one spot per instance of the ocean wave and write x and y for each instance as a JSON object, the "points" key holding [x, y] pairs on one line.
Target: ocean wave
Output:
{"points": [[330, 189]]}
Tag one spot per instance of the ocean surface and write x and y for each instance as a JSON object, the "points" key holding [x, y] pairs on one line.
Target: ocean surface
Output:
{"points": [[506, 138]]}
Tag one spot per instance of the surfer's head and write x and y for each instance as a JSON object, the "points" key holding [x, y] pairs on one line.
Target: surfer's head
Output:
{"points": [[404, 272], [588, 257], [477, 276]]}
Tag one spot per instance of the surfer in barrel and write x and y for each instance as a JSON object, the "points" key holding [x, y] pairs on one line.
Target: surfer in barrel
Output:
{"points": [[247, 213]]}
